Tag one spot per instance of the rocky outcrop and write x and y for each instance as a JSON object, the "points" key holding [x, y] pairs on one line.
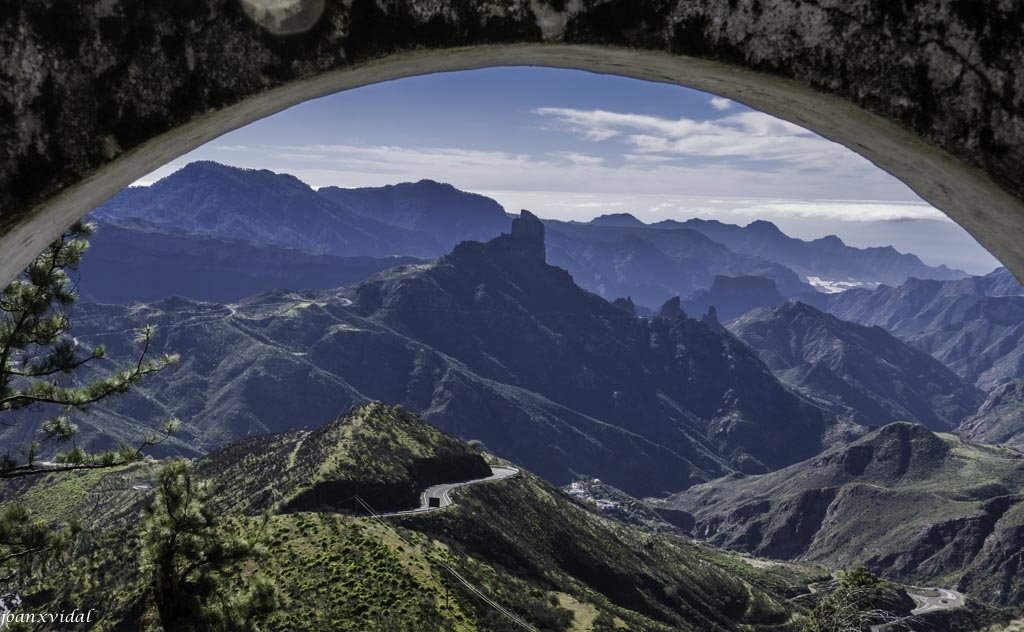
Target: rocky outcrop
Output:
{"points": [[527, 238], [734, 296], [489, 343], [672, 309], [625, 304]]}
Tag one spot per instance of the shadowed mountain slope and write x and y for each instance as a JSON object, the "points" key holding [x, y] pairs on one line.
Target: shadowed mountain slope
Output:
{"points": [[862, 373], [136, 260], [382, 453], [521, 542], [975, 326]]}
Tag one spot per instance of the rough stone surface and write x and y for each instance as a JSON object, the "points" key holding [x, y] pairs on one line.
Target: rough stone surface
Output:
{"points": [[95, 93]]}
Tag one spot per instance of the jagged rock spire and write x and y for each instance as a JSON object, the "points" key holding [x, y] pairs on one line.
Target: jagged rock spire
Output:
{"points": [[672, 309], [527, 239], [625, 304], [711, 320]]}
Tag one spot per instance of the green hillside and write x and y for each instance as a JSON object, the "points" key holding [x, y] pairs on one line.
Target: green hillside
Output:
{"points": [[522, 543]]}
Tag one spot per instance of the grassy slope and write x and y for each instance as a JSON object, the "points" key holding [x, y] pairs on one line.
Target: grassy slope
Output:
{"points": [[384, 453], [539, 534]]}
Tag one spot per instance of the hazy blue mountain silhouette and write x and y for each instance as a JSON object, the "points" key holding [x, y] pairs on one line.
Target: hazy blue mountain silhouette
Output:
{"points": [[440, 210], [264, 208], [734, 296], [827, 257]]}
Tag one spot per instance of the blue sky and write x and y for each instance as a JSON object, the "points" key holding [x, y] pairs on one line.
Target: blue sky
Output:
{"points": [[572, 145]]}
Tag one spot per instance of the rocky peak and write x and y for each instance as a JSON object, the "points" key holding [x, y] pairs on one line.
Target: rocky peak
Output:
{"points": [[524, 245], [527, 238], [617, 219], [711, 320], [528, 227], [625, 304], [671, 309]]}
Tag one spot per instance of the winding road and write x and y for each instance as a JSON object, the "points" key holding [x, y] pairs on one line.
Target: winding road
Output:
{"points": [[946, 600], [440, 492]]}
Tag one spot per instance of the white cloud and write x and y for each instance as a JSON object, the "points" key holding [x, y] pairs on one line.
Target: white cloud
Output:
{"points": [[847, 211], [721, 104], [740, 136]]}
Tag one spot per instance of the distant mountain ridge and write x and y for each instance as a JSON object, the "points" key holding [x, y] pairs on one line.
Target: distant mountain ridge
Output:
{"points": [[438, 209], [828, 257], [734, 296], [863, 373], [262, 207], [651, 265], [975, 326]]}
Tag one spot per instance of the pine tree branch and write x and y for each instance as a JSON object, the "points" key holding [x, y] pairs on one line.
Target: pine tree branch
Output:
{"points": [[126, 456], [54, 371]]}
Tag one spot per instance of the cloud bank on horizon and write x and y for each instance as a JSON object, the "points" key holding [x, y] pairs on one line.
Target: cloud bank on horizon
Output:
{"points": [[580, 145]]}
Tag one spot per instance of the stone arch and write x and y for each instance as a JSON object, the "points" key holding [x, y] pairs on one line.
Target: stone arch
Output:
{"points": [[96, 94]]}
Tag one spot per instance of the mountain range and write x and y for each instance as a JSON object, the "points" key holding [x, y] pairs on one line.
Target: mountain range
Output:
{"points": [[650, 266], [489, 342], [263, 208], [826, 259], [547, 345], [975, 326], [617, 256]]}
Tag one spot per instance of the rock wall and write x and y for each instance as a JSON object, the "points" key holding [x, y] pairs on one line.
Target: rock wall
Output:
{"points": [[95, 93]]}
